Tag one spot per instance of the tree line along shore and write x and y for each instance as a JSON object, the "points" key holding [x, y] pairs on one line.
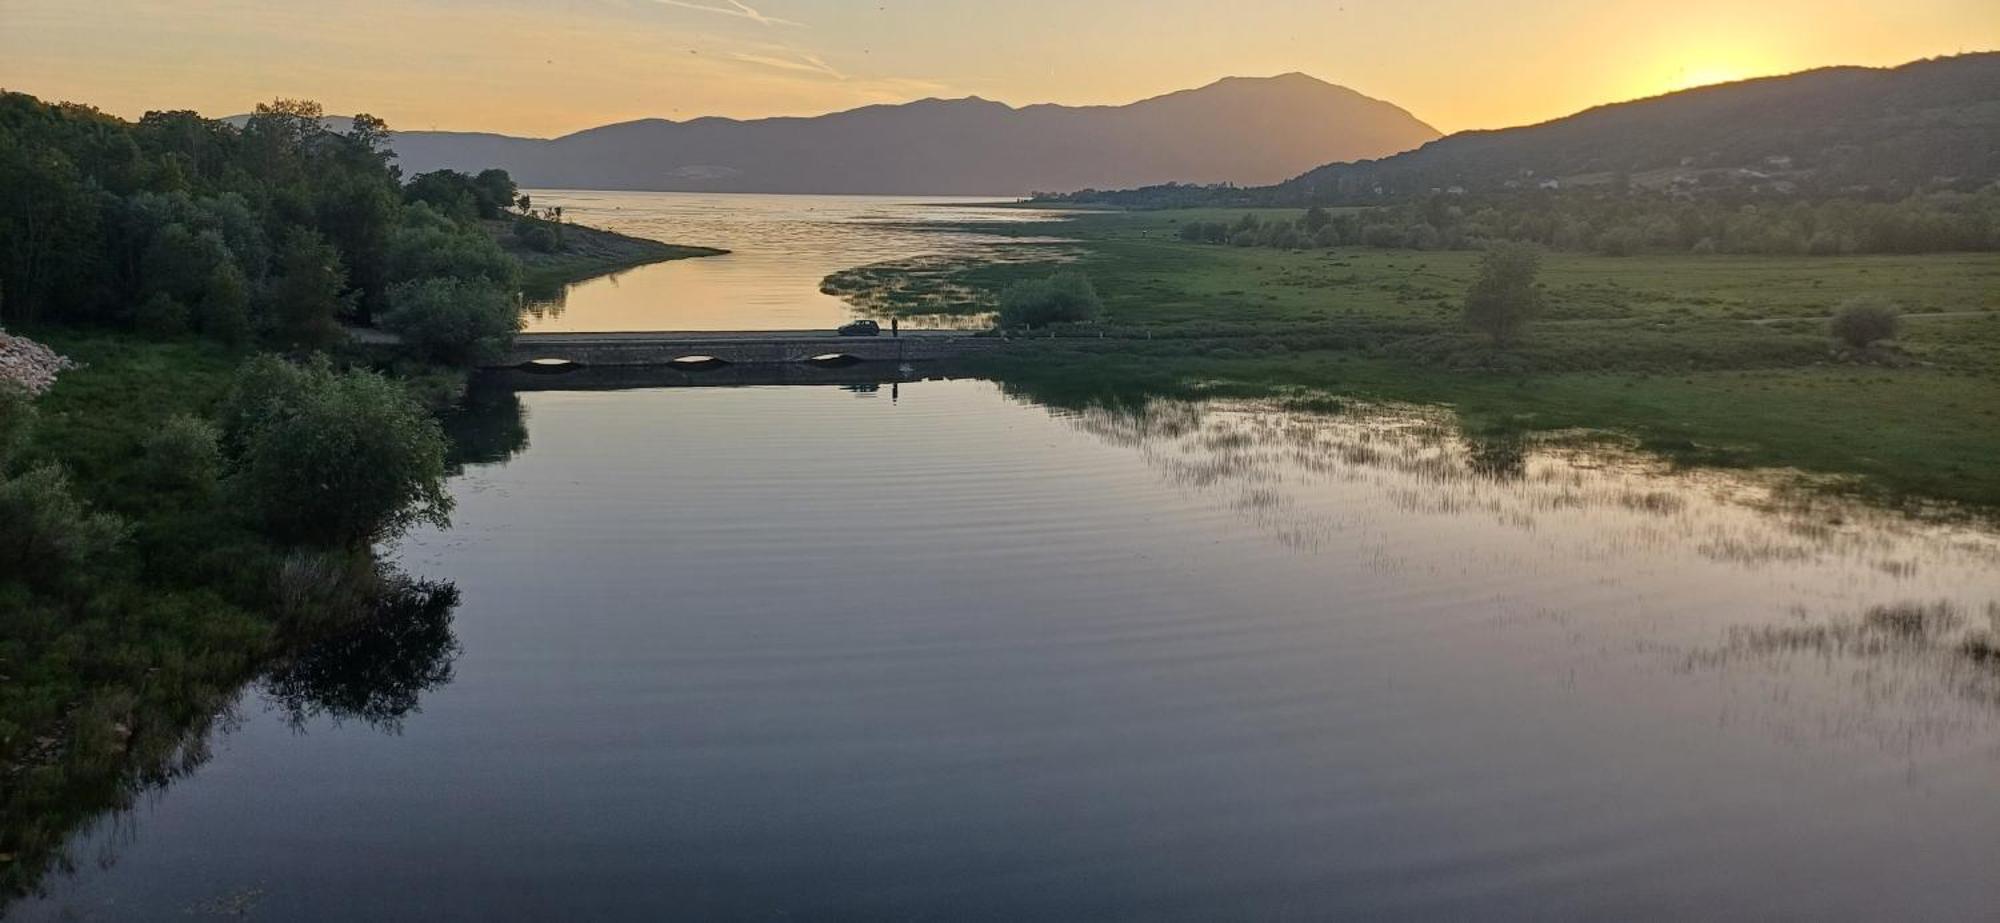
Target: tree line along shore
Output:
{"points": [[197, 461]]}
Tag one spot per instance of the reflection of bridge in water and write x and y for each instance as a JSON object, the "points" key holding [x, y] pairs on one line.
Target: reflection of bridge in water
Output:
{"points": [[737, 348], [865, 376]]}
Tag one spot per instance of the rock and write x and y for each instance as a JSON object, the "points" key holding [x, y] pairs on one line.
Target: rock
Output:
{"points": [[29, 364]]}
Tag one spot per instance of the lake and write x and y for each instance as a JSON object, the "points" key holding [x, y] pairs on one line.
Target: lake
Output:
{"points": [[937, 649], [781, 248]]}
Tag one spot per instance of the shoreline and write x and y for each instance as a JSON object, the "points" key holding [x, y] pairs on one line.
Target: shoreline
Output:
{"points": [[588, 252]]}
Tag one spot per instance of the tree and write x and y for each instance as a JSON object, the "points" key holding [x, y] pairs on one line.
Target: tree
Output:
{"points": [[1866, 320], [306, 297], [332, 459], [1316, 219], [452, 321], [1066, 297], [1505, 296], [495, 190]]}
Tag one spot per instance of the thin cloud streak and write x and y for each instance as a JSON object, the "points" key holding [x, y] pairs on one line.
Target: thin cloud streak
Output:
{"points": [[735, 8], [808, 64]]}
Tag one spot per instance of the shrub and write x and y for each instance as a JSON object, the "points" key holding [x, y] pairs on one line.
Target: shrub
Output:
{"points": [[17, 417], [1865, 320], [538, 235], [1504, 297], [185, 454], [428, 244], [332, 459], [161, 316], [452, 321], [47, 536], [1066, 297]]}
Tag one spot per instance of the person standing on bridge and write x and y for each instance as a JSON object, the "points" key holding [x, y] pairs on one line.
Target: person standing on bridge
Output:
{"points": [[895, 327]]}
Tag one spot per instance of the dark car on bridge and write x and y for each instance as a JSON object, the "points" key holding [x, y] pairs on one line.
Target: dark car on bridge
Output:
{"points": [[861, 328]]}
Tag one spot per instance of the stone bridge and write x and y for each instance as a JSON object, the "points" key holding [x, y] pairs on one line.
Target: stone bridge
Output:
{"points": [[724, 348]]}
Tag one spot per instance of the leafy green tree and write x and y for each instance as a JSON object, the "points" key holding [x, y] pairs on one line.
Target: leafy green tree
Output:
{"points": [[1066, 297], [307, 295], [332, 459], [453, 321], [224, 310], [1505, 296], [495, 191], [428, 245], [1316, 219], [448, 192]]}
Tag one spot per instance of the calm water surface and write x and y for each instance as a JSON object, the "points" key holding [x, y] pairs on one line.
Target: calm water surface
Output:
{"points": [[782, 247], [934, 651]]}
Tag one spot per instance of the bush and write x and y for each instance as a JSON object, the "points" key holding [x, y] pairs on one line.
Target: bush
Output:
{"points": [[17, 417], [185, 454], [538, 235], [1064, 298], [452, 321], [47, 536], [429, 245], [1864, 321], [1504, 297], [161, 316], [332, 459]]}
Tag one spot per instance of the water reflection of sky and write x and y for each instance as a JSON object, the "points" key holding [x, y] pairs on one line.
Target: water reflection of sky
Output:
{"points": [[947, 653], [782, 247]]}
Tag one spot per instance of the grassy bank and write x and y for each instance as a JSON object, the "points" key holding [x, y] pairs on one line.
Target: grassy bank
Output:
{"points": [[1711, 359], [113, 671], [586, 252]]}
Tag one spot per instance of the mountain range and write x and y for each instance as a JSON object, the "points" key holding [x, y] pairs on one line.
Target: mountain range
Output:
{"points": [[1250, 131], [1927, 125]]}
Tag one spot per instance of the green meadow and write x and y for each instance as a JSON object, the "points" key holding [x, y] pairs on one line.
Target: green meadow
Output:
{"points": [[1708, 359]]}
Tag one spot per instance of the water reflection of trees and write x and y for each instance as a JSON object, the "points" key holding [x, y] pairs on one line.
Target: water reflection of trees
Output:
{"points": [[488, 426], [379, 672], [376, 670]]}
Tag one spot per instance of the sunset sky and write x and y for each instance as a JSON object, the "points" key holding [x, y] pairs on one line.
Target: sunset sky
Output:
{"points": [[545, 67]]}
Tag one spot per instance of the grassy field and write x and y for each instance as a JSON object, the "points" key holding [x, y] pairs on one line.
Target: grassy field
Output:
{"points": [[1711, 359]]}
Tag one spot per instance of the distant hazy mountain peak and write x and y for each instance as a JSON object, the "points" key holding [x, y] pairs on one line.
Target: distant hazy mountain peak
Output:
{"points": [[1244, 130]]}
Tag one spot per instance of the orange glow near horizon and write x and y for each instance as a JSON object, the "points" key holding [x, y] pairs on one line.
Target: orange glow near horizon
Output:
{"points": [[528, 67]]}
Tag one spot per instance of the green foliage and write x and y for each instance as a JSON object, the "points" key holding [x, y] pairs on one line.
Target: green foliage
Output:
{"points": [[1505, 297], [185, 456], [161, 316], [332, 459], [463, 197], [224, 309], [99, 217], [430, 245], [17, 420], [538, 234], [305, 299], [48, 537], [1865, 320], [453, 321], [1064, 298]]}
